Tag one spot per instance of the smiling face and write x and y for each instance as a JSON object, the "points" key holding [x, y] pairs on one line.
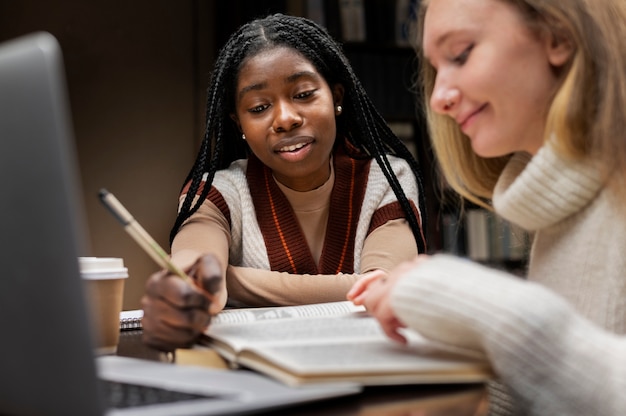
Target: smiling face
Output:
{"points": [[286, 110], [495, 77]]}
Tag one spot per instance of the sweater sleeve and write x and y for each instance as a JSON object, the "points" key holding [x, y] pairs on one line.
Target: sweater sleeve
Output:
{"points": [[388, 246], [206, 231], [553, 360]]}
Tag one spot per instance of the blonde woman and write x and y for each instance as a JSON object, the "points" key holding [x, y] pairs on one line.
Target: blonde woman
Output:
{"points": [[527, 113]]}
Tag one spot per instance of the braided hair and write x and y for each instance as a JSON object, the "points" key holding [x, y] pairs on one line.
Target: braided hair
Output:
{"points": [[360, 123]]}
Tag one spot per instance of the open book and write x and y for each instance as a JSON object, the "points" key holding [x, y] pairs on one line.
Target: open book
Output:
{"points": [[333, 342]]}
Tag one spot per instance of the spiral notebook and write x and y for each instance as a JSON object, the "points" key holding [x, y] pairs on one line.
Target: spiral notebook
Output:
{"points": [[131, 320]]}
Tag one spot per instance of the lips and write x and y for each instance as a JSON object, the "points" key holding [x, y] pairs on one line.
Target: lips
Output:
{"points": [[292, 144], [292, 147], [465, 120]]}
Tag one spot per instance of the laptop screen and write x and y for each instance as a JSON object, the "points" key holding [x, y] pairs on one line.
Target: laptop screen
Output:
{"points": [[46, 366]]}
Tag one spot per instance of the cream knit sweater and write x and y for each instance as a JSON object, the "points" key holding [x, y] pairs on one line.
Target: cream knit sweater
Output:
{"points": [[557, 341]]}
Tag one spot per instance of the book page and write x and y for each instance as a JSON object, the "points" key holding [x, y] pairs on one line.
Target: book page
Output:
{"points": [[236, 316], [375, 356], [290, 331], [362, 361]]}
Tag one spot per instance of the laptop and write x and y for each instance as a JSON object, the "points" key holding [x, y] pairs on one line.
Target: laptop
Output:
{"points": [[47, 365]]}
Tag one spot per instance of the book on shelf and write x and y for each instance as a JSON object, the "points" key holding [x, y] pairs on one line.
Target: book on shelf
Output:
{"points": [[352, 20], [334, 342], [315, 11], [490, 238], [478, 234], [406, 22], [130, 320]]}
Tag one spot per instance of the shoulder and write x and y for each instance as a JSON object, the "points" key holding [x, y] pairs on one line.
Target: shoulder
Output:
{"points": [[400, 167], [224, 181], [235, 173], [237, 167]]}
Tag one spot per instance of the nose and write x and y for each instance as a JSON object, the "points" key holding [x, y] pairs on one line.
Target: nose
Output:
{"points": [[286, 117], [444, 98]]}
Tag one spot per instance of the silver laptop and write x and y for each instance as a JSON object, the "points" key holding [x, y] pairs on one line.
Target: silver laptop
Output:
{"points": [[46, 361]]}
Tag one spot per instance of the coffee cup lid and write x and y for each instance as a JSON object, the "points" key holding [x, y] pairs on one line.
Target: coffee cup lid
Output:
{"points": [[102, 268]]}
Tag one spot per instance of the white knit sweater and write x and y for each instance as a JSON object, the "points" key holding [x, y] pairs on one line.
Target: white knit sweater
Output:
{"points": [[551, 341]]}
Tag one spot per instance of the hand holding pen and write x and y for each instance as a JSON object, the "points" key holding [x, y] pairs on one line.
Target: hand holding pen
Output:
{"points": [[176, 310]]}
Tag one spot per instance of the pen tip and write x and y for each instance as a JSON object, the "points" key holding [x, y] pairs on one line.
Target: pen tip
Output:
{"points": [[103, 192]]}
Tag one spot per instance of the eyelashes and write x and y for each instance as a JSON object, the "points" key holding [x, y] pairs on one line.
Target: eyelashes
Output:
{"points": [[302, 96], [461, 58]]}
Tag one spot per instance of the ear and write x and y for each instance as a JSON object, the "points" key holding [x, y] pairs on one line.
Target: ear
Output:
{"points": [[234, 117], [559, 48], [338, 92]]}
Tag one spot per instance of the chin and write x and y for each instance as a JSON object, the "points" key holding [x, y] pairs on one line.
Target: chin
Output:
{"points": [[487, 149], [482, 152]]}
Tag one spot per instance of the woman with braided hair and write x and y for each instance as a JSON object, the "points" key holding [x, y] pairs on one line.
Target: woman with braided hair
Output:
{"points": [[299, 188]]}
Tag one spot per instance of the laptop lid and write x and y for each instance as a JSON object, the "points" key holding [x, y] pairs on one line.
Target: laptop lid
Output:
{"points": [[46, 346]]}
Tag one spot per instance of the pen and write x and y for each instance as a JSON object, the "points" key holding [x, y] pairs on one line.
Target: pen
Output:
{"points": [[140, 235]]}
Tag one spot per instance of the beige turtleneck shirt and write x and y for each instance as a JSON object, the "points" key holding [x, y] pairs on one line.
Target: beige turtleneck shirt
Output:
{"points": [[557, 341]]}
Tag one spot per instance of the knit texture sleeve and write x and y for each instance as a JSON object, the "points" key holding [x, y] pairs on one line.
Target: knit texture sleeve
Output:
{"points": [[552, 360]]}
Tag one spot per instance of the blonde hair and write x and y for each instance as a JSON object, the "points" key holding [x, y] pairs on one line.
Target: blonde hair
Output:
{"points": [[587, 116]]}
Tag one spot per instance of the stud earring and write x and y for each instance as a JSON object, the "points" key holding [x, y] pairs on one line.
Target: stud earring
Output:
{"points": [[338, 110], [243, 136]]}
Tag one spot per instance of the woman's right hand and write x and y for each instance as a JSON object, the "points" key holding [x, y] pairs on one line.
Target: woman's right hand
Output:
{"points": [[374, 291], [176, 312]]}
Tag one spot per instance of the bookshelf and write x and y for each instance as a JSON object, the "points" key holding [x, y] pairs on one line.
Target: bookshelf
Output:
{"points": [[474, 232]]}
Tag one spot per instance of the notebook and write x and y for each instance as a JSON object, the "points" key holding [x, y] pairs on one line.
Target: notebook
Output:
{"points": [[47, 366], [131, 320]]}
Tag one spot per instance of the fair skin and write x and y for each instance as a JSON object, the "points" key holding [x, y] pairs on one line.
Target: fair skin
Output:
{"points": [[496, 78], [374, 291], [287, 113]]}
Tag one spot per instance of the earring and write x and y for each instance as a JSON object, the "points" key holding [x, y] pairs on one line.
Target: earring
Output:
{"points": [[243, 136], [338, 110]]}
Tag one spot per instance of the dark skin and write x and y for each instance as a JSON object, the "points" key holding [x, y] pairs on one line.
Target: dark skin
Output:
{"points": [[281, 101], [177, 309]]}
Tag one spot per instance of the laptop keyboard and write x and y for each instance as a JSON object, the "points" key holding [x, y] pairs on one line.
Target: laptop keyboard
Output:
{"points": [[120, 395]]}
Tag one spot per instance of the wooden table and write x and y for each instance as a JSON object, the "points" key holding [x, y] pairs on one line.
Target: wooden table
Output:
{"points": [[414, 400]]}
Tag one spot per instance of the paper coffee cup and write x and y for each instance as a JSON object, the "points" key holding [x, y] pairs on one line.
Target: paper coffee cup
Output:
{"points": [[104, 278]]}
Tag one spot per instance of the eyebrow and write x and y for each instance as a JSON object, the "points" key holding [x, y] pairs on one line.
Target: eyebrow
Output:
{"points": [[301, 74], [291, 78], [441, 40], [252, 87]]}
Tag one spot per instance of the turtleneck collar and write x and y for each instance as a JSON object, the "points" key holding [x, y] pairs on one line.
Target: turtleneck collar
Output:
{"points": [[538, 191]]}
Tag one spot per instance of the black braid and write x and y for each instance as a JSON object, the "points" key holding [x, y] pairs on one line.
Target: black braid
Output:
{"points": [[360, 122]]}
